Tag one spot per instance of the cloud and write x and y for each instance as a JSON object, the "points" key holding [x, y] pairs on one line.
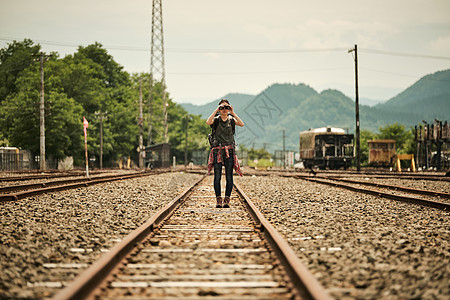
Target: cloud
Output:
{"points": [[315, 33]]}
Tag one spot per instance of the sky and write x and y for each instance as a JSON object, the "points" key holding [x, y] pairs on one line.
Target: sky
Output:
{"points": [[213, 47]]}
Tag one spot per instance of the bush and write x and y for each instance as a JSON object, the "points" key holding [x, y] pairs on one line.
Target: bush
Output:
{"points": [[262, 163]]}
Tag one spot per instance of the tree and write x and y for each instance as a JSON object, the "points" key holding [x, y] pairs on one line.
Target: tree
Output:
{"points": [[20, 117], [404, 138], [14, 59], [82, 81], [112, 74], [81, 85], [365, 136]]}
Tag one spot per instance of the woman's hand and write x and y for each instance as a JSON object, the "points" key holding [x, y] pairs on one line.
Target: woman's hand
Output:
{"points": [[231, 110]]}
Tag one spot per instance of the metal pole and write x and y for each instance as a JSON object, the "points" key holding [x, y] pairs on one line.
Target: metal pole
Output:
{"points": [[166, 125], [141, 129], [101, 140], [284, 148], [358, 143], [102, 116], [86, 156], [150, 111], [85, 126], [186, 142], [42, 117]]}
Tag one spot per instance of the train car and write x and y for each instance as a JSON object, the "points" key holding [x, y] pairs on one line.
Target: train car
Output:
{"points": [[15, 159], [382, 153], [326, 147], [157, 156]]}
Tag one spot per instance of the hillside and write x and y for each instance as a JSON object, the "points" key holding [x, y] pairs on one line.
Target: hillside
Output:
{"points": [[428, 96], [295, 108]]}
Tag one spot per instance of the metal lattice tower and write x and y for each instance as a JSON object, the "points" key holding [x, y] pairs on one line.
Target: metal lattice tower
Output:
{"points": [[157, 68]]}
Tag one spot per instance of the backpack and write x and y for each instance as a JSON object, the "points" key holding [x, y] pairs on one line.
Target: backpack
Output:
{"points": [[211, 137]]}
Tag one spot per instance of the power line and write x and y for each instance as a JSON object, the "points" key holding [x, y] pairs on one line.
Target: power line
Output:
{"points": [[189, 50], [384, 52], [235, 51], [259, 72], [254, 51]]}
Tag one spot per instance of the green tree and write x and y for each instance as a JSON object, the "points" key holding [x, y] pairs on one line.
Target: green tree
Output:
{"points": [[82, 84], [365, 136], [256, 153], [20, 117], [112, 74], [82, 80], [404, 138], [14, 59], [197, 131]]}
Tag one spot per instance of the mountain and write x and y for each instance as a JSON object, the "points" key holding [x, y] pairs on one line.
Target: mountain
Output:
{"points": [[205, 110], [428, 96], [290, 108]]}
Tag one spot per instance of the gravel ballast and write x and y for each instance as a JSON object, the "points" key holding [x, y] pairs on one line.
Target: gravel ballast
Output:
{"points": [[74, 228], [359, 246]]}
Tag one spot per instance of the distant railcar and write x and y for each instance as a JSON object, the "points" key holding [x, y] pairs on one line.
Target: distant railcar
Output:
{"points": [[382, 153], [326, 147], [157, 156]]}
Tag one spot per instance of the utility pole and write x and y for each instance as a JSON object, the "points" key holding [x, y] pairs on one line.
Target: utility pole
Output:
{"points": [[101, 116], [42, 58], [186, 142], [157, 69], [358, 144], [141, 129], [284, 148], [150, 112]]}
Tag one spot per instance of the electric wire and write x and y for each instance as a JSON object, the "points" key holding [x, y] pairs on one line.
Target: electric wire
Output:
{"points": [[248, 51], [392, 53], [237, 51], [260, 72]]}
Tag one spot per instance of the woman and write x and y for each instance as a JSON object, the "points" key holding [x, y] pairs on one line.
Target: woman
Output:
{"points": [[223, 152]]}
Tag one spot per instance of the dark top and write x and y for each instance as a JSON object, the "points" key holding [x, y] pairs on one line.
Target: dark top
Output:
{"points": [[224, 131]]}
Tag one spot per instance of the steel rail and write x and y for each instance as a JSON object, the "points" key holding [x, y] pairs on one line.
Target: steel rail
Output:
{"points": [[76, 184], [305, 284], [41, 176], [394, 187], [85, 284], [430, 203], [408, 177], [59, 182]]}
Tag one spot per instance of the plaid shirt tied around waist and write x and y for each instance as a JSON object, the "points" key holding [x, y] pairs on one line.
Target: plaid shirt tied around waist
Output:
{"points": [[236, 166]]}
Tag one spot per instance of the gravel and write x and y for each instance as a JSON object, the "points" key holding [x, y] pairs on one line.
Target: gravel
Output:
{"points": [[74, 227], [359, 246], [436, 186]]}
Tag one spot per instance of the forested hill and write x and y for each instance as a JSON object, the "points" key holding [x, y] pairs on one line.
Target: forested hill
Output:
{"points": [[295, 108], [430, 95]]}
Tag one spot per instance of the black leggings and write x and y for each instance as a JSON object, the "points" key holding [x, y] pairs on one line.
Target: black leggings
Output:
{"points": [[228, 163]]}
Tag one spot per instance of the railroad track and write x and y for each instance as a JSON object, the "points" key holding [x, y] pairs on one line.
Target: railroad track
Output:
{"points": [[16, 192], [190, 249], [381, 190], [46, 175]]}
